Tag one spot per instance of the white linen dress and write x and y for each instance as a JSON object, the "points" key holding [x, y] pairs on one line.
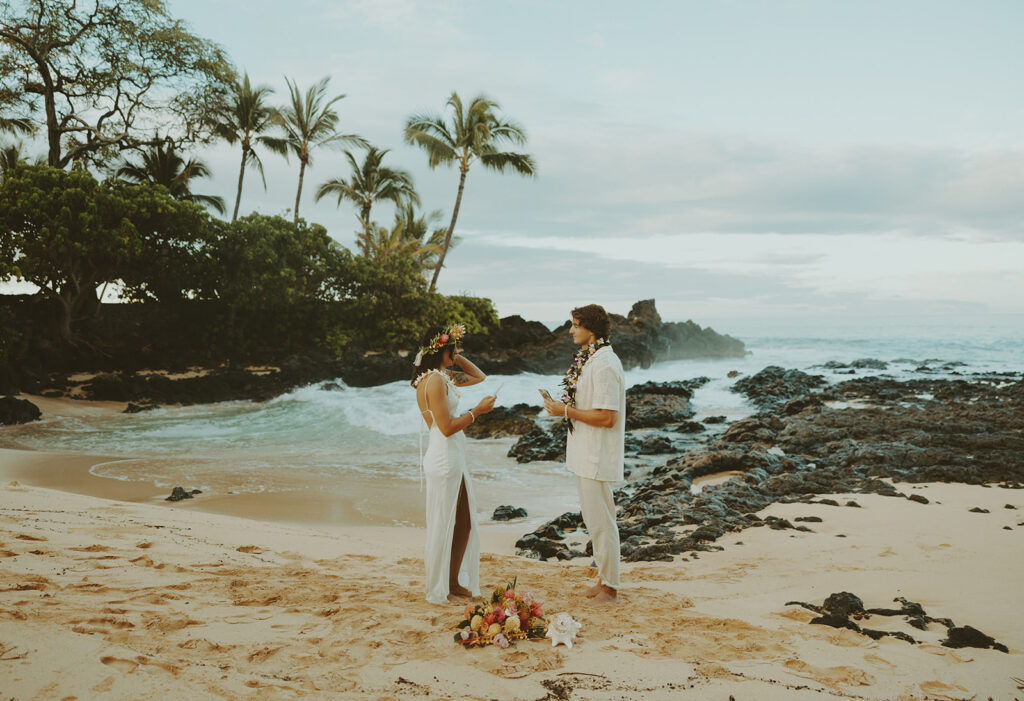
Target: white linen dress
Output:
{"points": [[444, 467]]}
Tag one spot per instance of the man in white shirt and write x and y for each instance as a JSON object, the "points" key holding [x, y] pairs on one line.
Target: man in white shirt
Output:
{"points": [[595, 406]]}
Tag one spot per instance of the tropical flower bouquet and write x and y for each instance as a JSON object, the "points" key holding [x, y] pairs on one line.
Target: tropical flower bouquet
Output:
{"points": [[502, 618]]}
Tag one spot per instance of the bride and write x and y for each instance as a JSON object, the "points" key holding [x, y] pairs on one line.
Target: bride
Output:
{"points": [[452, 550]]}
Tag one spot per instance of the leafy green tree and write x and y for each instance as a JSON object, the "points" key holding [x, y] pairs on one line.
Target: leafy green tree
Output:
{"points": [[273, 278], [93, 73], [243, 119], [370, 183], [474, 134], [163, 165], [382, 306], [68, 234], [309, 122]]}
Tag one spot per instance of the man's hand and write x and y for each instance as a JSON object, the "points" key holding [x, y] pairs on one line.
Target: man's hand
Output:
{"points": [[554, 408]]}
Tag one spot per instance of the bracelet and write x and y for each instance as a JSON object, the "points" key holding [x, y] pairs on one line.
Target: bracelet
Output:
{"points": [[470, 412], [566, 413]]}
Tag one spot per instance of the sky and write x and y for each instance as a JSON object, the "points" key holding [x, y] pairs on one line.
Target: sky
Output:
{"points": [[789, 161]]}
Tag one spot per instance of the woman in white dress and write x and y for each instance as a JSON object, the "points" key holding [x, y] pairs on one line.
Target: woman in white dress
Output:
{"points": [[452, 551]]}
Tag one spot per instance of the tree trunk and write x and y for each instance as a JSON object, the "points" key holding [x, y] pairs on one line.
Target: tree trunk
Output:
{"points": [[451, 227], [241, 175], [298, 195]]}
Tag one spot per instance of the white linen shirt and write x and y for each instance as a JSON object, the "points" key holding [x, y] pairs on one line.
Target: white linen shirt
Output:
{"points": [[593, 452]]}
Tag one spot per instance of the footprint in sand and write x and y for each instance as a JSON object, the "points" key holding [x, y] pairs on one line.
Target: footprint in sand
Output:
{"points": [[120, 664], [945, 692], [254, 549], [26, 536]]}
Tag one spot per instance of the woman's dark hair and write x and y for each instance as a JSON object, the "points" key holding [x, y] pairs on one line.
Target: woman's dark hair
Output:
{"points": [[594, 319], [432, 361]]}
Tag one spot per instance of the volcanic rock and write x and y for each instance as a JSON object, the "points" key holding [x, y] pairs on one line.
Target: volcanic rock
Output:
{"points": [[17, 411]]}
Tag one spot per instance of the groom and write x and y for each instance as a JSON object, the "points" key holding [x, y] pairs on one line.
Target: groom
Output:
{"points": [[594, 405]]}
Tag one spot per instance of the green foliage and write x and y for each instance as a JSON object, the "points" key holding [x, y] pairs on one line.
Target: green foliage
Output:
{"points": [[167, 265], [10, 334], [64, 232], [273, 280], [383, 305], [477, 313]]}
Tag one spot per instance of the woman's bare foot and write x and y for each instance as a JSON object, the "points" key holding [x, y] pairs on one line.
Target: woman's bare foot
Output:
{"points": [[459, 592], [605, 595], [596, 589]]}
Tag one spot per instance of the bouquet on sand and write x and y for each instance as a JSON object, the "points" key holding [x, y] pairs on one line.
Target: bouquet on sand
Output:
{"points": [[502, 618]]}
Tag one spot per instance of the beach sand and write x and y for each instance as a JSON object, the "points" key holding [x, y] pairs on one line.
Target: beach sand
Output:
{"points": [[138, 598]]}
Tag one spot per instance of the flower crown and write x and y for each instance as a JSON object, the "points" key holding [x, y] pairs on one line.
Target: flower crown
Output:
{"points": [[449, 336]]}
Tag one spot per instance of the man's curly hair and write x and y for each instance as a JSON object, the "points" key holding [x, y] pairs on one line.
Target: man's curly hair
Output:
{"points": [[593, 318]]}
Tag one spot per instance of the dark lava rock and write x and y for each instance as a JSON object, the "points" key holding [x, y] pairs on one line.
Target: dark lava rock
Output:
{"points": [[795, 406], [654, 404], [179, 493], [499, 423], [134, 408], [853, 504], [531, 545], [808, 519], [918, 498], [773, 386], [368, 370], [506, 512], [715, 420], [978, 510], [116, 387], [18, 411], [656, 445], [870, 363], [844, 604], [966, 636], [540, 444], [1010, 506]]}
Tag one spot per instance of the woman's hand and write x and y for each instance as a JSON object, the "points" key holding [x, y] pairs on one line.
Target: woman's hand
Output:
{"points": [[485, 406]]}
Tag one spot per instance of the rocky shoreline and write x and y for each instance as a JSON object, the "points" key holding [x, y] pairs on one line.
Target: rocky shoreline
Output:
{"points": [[641, 338], [864, 435]]}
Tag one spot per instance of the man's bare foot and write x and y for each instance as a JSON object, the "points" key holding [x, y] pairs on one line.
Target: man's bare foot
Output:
{"points": [[606, 595], [459, 592], [596, 589]]}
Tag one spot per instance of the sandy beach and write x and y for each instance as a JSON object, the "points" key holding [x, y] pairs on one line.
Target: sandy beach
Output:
{"points": [[137, 598]]}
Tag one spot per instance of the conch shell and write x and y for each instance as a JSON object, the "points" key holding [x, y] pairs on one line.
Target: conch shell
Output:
{"points": [[562, 628]]}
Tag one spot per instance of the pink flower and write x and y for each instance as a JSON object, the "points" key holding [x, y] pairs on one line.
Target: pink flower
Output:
{"points": [[465, 634], [510, 594], [535, 609], [444, 338], [470, 610], [501, 641]]}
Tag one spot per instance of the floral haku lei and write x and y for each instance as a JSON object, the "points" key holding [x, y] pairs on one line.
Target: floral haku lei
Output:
{"points": [[502, 618], [448, 336], [572, 376]]}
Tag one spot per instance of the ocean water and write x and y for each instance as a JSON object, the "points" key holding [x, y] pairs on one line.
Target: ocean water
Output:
{"points": [[321, 436]]}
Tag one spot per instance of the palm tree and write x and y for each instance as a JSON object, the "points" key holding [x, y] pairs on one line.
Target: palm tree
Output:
{"points": [[422, 229], [474, 134], [309, 122], [16, 125], [408, 237], [243, 119], [370, 182], [161, 165], [10, 155]]}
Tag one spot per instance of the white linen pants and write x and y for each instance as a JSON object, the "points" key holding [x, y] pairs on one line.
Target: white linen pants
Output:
{"points": [[598, 509]]}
